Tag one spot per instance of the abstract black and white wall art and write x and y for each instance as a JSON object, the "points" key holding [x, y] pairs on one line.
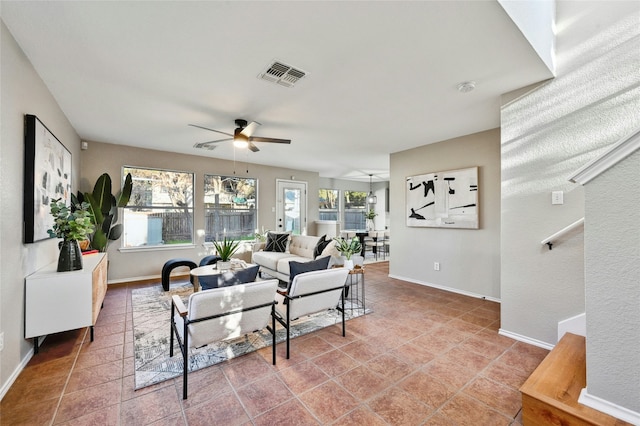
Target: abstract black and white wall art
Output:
{"points": [[47, 176], [447, 199]]}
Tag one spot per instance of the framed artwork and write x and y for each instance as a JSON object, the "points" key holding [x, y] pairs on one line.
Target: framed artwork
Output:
{"points": [[47, 176], [446, 199]]}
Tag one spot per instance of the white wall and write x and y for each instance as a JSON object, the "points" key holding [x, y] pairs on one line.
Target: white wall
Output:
{"points": [[22, 92], [547, 135], [469, 259], [612, 254]]}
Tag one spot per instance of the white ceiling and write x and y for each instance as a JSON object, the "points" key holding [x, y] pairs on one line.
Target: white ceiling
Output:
{"points": [[382, 76]]}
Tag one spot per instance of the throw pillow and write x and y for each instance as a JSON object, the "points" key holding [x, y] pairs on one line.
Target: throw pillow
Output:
{"points": [[277, 242], [322, 243], [296, 268], [229, 278]]}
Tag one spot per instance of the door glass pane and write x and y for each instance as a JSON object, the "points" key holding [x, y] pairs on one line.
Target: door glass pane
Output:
{"points": [[292, 210]]}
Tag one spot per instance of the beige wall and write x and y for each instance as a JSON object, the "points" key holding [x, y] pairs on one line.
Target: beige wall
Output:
{"points": [[469, 259], [104, 157], [22, 92]]}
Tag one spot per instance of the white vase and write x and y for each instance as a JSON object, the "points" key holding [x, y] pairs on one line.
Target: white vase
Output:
{"points": [[223, 266], [370, 225], [348, 263]]}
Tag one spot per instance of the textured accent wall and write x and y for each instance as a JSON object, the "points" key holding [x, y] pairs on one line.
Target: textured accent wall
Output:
{"points": [[547, 135], [612, 272]]}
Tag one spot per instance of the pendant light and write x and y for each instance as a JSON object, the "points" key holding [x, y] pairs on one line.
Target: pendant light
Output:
{"points": [[371, 198]]}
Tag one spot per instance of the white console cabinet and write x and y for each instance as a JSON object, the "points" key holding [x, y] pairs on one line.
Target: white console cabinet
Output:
{"points": [[61, 301]]}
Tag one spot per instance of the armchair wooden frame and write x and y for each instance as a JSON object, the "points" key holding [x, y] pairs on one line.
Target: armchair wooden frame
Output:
{"points": [[178, 307]]}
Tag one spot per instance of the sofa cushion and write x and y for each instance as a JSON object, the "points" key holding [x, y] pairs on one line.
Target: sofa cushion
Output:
{"points": [[303, 245], [322, 243], [277, 242], [331, 250], [228, 278], [296, 268], [269, 259], [283, 264]]}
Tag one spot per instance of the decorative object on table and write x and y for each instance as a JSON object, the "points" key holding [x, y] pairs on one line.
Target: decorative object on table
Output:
{"points": [[369, 216], [261, 237], [72, 224], [47, 176], [348, 247], [446, 199], [225, 249], [104, 206]]}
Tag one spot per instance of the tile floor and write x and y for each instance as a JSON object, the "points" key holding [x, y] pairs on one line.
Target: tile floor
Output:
{"points": [[424, 357]]}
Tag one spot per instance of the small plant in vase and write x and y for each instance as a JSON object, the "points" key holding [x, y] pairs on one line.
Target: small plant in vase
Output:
{"points": [[369, 216], [348, 248], [72, 224], [225, 249]]}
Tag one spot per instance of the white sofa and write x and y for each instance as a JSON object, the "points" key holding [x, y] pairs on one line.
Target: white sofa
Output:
{"points": [[300, 249]]}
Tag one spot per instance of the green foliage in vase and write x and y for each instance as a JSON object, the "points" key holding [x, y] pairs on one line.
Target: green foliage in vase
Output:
{"points": [[226, 248], [71, 223], [348, 247]]}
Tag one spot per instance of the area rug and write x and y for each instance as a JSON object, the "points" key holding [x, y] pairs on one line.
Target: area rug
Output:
{"points": [[151, 330]]}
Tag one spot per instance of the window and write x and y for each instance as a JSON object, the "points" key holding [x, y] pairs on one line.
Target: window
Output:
{"points": [[160, 210], [328, 204], [355, 203], [230, 207]]}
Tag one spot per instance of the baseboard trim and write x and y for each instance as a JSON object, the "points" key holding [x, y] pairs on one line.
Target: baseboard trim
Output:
{"points": [[441, 287], [525, 339], [14, 375], [608, 407]]}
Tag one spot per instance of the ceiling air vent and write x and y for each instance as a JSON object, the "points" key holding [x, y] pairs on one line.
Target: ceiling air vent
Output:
{"points": [[282, 74]]}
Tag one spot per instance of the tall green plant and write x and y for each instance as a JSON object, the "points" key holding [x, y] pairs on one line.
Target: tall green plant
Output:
{"points": [[104, 207], [226, 248]]}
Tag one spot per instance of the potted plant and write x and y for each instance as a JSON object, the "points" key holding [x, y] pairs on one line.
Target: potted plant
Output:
{"points": [[369, 216], [72, 224], [104, 207], [348, 248], [225, 249]]}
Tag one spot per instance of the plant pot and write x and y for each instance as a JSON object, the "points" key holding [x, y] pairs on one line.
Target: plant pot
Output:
{"points": [[70, 257], [223, 266], [348, 263], [370, 225]]}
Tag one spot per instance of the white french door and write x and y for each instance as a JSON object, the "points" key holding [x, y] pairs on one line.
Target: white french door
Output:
{"points": [[291, 206]]}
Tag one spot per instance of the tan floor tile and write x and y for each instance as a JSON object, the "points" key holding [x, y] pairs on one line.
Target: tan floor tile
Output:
{"points": [[264, 394], [335, 362], [398, 407], [503, 398], [108, 416], [82, 379], [363, 383], [360, 416], [302, 377], [150, 407], [291, 413], [465, 410], [328, 402], [427, 389], [80, 403], [223, 409], [246, 369]]}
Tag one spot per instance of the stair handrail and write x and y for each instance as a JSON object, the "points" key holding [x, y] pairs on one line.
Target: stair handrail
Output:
{"points": [[548, 240]]}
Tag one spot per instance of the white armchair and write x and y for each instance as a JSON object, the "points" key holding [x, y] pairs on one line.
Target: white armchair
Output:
{"points": [[311, 292], [222, 313]]}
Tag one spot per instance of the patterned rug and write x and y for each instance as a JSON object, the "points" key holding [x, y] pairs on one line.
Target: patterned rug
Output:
{"points": [[151, 330]]}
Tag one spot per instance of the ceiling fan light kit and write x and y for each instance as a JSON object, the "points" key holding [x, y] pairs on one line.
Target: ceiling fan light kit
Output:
{"points": [[242, 136]]}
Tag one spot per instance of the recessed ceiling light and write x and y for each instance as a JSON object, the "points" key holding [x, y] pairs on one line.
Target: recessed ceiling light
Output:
{"points": [[466, 86]]}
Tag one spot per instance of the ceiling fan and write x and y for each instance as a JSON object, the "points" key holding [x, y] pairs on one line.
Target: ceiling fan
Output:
{"points": [[242, 136]]}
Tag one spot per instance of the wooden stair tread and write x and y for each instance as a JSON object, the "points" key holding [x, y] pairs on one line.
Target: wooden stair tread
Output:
{"points": [[551, 393]]}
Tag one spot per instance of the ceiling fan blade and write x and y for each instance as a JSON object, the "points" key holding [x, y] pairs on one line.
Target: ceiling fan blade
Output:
{"points": [[205, 146], [272, 140], [212, 130], [250, 128], [216, 141], [253, 147]]}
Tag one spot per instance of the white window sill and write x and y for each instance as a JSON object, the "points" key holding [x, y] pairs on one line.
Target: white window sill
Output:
{"points": [[158, 248]]}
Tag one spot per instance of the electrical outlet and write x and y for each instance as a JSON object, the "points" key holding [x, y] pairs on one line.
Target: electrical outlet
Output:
{"points": [[1, 341], [436, 266]]}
